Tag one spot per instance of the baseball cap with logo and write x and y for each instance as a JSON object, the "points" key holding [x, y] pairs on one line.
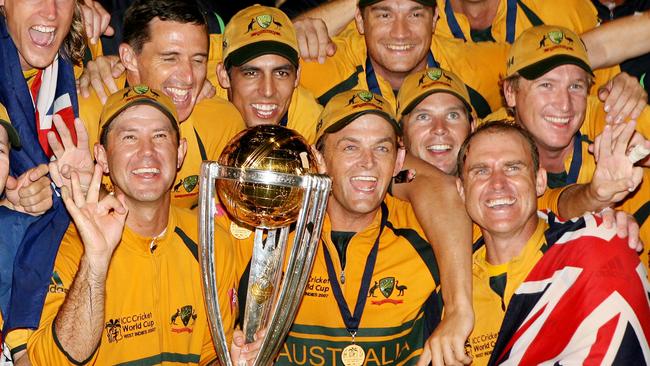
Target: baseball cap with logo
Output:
{"points": [[134, 95], [345, 107], [364, 3], [540, 49], [14, 140], [419, 85], [259, 30]]}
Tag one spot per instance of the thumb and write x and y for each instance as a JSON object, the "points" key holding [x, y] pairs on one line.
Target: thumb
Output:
{"points": [[12, 183], [38, 172], [603, 93], [331, 48]]}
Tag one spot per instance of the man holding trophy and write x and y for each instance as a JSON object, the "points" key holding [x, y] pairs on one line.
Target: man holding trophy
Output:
{"points": [[372, 294]]}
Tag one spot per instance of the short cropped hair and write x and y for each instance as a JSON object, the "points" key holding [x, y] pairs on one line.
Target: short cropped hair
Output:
{"points": [[136, 30], [497, 127]]}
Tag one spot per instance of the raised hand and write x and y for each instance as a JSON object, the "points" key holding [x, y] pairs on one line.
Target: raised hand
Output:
{"points": [[100, 223], [70, 157], [30, 193]]}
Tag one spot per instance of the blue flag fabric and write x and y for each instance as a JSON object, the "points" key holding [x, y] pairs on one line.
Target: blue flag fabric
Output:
{"points": [[36, 253]]}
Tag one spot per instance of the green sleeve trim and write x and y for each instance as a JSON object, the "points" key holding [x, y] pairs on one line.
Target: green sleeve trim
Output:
{"points": [[67, 355]]}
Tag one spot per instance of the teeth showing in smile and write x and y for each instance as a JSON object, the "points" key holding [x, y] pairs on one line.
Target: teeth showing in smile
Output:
{"points": [[500, 202], [439, 148], [179, 92], [364, 183], [146, 171], [559, 120], [264, 110], [43, 29], [398, 47]]}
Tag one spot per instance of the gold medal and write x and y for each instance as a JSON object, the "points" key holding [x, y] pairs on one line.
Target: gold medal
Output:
{"points": [[353, 355], [239, 232]]}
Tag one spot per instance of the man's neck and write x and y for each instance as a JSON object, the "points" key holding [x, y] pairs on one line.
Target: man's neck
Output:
{"points": [[553, 159], [343, 220], [479, 13], [503, 247], [148, 219], [395, 79]]}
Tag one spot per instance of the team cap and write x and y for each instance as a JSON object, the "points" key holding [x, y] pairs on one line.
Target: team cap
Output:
{"points": [[419, 85], [540, 49], [134, 95], [259, 30], [345, 107]]}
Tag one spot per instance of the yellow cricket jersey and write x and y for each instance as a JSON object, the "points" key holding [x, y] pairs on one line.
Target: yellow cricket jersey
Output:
{"points": [[509, 24], [402, 304], [347, 69], [212, 124], [154, 307], [489, 305]]}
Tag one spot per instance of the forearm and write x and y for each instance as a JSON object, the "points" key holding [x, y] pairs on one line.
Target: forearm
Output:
{"points": [[79, 324], [577, 199], [336, 14], [443, 218], [606, 47]]}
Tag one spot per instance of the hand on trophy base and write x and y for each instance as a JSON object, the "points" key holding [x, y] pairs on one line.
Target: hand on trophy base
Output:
{"points": [[242, 353]]}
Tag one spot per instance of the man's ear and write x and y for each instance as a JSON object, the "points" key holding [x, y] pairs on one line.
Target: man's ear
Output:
{"points": [[224, 78], [182, 150], [436, 17], [461, 190], [128, 58], [295, 85], [358, 20], [320, 161], [399, 160], [540, 182], [101, 158], [509, 94]]}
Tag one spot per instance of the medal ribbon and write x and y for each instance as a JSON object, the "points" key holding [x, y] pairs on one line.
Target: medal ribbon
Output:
{"points": [[284, 120], [371, 78], [352, 321], [576, 160], [511, 20]]}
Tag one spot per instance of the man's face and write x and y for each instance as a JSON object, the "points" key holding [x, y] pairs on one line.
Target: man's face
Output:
{"points": [[361, 159], [141, 153], [500, 186], [38, 29], [175, 61], [261, 89], [398, 34], [435, 129], [552, 107], [4, 158]]}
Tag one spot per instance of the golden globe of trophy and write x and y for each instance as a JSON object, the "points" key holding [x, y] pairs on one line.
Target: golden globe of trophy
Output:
{"points": [[266, 179]]}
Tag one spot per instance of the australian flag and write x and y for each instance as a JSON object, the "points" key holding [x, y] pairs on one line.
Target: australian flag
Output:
{"points": [[586, 302]]}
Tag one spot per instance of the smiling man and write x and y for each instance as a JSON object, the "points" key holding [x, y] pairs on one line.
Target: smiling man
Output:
{"points": [[260, 71], [102, 311], [545, 291], [165, 45]]}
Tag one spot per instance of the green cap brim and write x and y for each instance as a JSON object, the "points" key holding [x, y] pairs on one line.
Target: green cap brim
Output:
{"points": [[422, 97], [135, 102], [340, 124], [14, 139], [251, 51], [540, 68]]}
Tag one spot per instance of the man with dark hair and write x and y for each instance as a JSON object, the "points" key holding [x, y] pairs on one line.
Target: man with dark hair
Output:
{"points": [[166, 46], [545, 291]]}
